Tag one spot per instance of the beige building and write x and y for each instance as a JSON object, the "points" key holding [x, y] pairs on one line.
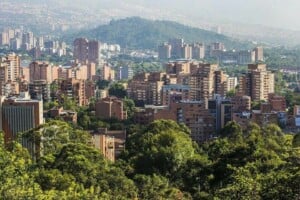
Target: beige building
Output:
{"points": [[194, 114], [221, 83], [110, 107], [90, 89], [259, 54], [42, 71], [106, 144], [202, 81], [198, 51], [232, 82], [186, 51], [107, 73], [178, 68], [74, 89], [4, 38], [110, 142], [146, 88], [10, 68], [25, 73], [257, 83]]}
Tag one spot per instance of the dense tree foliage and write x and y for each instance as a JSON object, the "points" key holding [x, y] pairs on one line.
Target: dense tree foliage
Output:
{"points": [[278, 58], [160, 162], [118, 90]]}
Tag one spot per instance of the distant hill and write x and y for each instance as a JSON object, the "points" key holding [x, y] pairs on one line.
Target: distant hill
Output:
{"points": [[138, 33]]}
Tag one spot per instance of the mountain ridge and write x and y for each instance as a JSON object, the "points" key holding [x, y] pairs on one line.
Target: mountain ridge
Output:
{"points": [[140, 33]]}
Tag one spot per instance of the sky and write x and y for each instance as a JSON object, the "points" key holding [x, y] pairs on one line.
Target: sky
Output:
{"points": [[275, 13]]}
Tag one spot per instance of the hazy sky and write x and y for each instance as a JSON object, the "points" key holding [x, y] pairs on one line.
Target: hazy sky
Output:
{"points": [[276, 13]]}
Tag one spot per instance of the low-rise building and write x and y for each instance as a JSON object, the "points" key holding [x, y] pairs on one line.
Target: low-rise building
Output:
{"points": [[65, 115], [111, 143], [110, 107], [194, 114]]}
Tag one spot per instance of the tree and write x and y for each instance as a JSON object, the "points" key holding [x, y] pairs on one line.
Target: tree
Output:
{"points": [[296, 140], [81, 161], [118, 90], [155, 187], [129, 107], [232, 130], [51, 136], [162, 148], [231, 93], [102, 84]]}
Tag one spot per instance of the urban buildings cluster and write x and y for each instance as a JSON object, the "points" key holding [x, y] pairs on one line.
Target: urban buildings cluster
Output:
{"points": [[197, 95], [178, 49], [23, 91], [90, 50], [200, 95], [18, 39]]}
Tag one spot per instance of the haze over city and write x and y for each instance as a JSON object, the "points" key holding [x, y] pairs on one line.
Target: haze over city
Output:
{"points": [[275, 13], [149, 99]]}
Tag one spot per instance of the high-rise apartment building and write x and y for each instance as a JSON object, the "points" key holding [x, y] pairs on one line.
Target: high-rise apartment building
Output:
{"points": [[198, 51], [81, 50], [87, 51], [221, 109], [176, 45], [10, 68], [201, 81], [175, 92], [146, 88], [125, 73], [259, 54], [40, 90], [241, 104], [278, 103], [20, 115], [110, 107], [4, 38], [232, 82], [3, 72], [40, 71], [90, 89], [194, 114], [79, 72], [257, 83], [164, 51], [107, 73], [214, 49], [186, 51], [246, 57], [94, 51], [28, 40], [221, 80], [74, 89], [106, 144], [178, 68], [91, 71]]}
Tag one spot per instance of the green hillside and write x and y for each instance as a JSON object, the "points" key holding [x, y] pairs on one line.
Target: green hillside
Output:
{"points": [[138, 33]]}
